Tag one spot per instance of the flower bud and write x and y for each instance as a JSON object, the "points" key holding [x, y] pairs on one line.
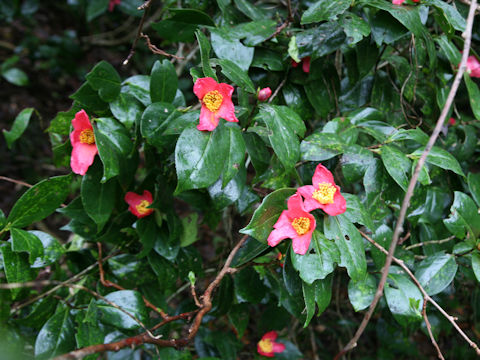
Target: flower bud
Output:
{"points": [[264, 94]]}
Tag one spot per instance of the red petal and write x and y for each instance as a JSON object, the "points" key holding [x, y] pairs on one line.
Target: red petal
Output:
{"points": [[147, 195], [82, 157], [203, 86], [276, 236], [208, 120], [322, 175], [81, 121], [294, 63], [339, 205], [272, 335], [309, 203], [227, 111], [306, 64], [133, 199], [278, 347], [301, 244]]}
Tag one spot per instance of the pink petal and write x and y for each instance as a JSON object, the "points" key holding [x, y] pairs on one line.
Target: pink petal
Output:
{"points": [[295, 204], [339, 205], [133, 199], [306, 191], [397, 2], [275, 237], [301, 243], [81, 121], [227, 111], [208, 120], [322, 175], [272, 335], [306, 64], [278, 347], [203, 86], [82, 157], [226, 90], [147, 195]]}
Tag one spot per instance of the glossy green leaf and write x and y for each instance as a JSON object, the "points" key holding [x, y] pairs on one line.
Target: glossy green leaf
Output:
{"points": [[319, 261], [321, 146], [474, 186], [404, 299], [126, 109], [267, 214], [16, 267], [163, 82], [130, 301], [321, 40], [228, 48], [441, 158], [96, 8], [250, 10], [139, 87], [52, 249], [356, 211], [200, 157], [436, 272], [450, 12], [309, 298], [464, 217], [473, 95], [239, 318], [156, 120], [397, 165], [19, 126], [105, 79], [236, 153], [98, 198], [205, 55], [255, 32], [323, 293], [449, 49], [349, 243], [249, 251], [354, 27], [147, 229], [362, 292], [237, 75], [325, 10], [25, 241], [190, 230], [163, 269], [40, 201], [15, 76], [476, 265], [284, 127], [56, 337]]}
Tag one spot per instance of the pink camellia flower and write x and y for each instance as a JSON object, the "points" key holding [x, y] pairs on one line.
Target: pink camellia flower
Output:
{"points": [[473, 66], [112, 3], [267, 345], [216, 102], [324, 193], [264, 94], [139, 203], [305, 64], [295, 223], [83, 143]]}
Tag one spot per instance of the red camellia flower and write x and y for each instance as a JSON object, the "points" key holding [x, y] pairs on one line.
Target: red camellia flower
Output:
{"points": [[139, 203], [473, 66], [83, 143], [295, 223], [305, 64], [267, 345], [264, 94], [112, 3], [324, 193], [216, 103]]}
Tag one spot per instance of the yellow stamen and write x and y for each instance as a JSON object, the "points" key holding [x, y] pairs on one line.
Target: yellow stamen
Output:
{"points": [[142, 207], [324, 194], [213, 100], [301, 225], [266, 345], [87, 137]]}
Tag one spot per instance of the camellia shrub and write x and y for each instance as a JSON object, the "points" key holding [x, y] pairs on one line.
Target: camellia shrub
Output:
{"points": [[298, 174]]}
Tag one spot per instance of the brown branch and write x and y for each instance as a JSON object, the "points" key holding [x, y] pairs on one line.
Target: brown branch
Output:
{"points": [[411, 186], [158, 51], [143, 338], [401, 263], [108, 283], [429, 329], [283, 25], [15, 181], [275, 93], [143, 7], [430, 242]]}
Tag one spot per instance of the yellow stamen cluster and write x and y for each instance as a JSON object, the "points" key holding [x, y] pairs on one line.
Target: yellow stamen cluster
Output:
{"points": [[87, 137], [142, 207], [301, 225], [324, 194], [213, 100], [266, 345]]}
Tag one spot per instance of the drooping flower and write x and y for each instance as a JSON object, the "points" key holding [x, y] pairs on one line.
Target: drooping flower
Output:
{"points": [[112, 3], [216, 99], [324, 193], [264, 94], [305, 64], [473, 66], [138, 204], [83, 143], [295, 223], [267, 345]]}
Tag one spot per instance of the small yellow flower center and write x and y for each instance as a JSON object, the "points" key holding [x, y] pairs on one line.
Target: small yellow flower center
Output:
{"points": [[87, 137], [142, 207], [213, 100], [325, 193], [266, 345], [301, 225]]}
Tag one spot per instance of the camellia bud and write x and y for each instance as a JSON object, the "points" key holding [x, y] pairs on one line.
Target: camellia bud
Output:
{"points": [[264, 94]]}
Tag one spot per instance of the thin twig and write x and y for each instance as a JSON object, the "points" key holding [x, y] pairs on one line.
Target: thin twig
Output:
{"points": [[15, 181], [429, 329], [144, 7], [430, 242], [411, 186], [275, 93], [158, 51]]}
